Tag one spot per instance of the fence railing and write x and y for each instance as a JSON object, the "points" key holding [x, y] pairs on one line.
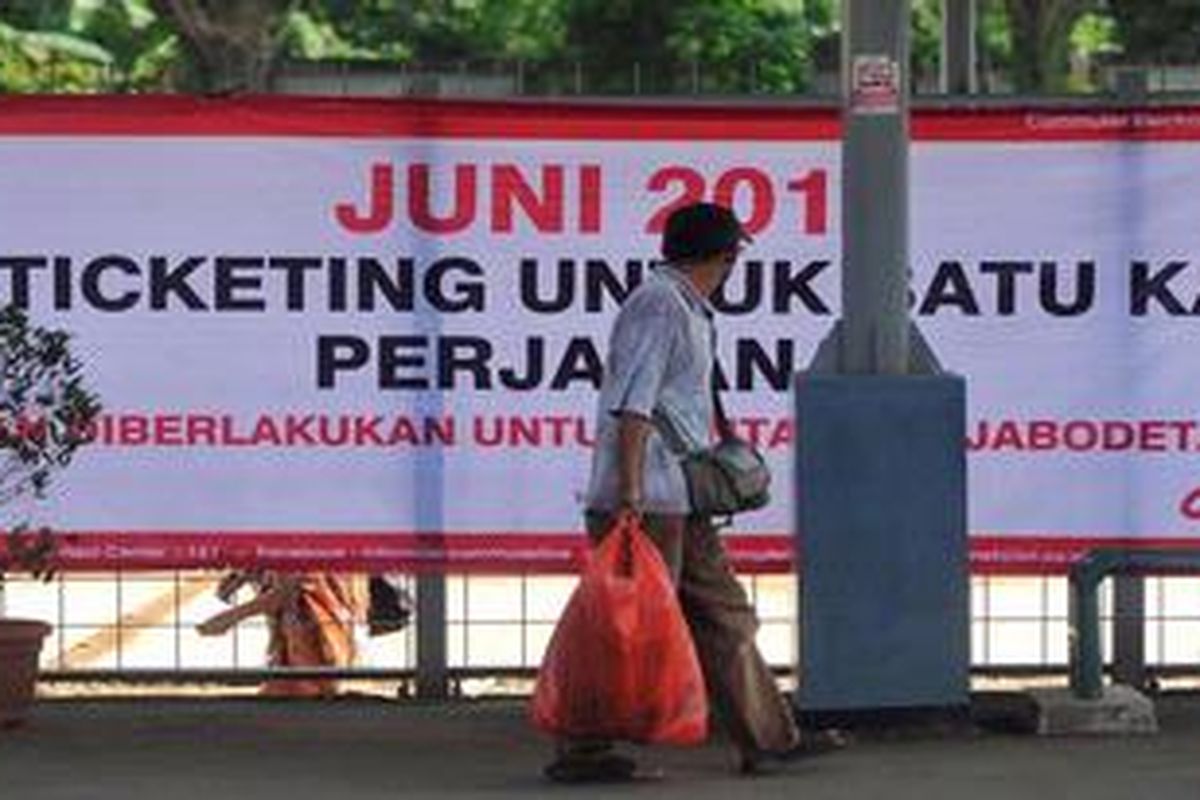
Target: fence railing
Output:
{"points": [[1086, 658], [140, 627], [648, 76]]}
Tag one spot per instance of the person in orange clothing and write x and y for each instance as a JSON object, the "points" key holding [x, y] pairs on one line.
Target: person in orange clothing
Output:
{"points": [[311, 618]]}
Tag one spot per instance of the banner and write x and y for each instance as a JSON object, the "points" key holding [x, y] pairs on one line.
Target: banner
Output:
{"points": [[368, 334]]}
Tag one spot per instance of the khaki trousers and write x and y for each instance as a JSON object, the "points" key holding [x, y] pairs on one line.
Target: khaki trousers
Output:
{"points": [[723, 624]]}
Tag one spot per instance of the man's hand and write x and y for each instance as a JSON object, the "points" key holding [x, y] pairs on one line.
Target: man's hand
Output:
{"points": [[629, 507]]}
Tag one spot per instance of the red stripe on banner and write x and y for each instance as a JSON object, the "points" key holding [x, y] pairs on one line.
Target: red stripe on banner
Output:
{"points": [[1059, 125], [492, 552], [1052, 555], [500, 552], [144, 115], [178, 115]]}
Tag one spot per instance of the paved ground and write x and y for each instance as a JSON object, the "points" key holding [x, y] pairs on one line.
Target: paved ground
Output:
{"points": [[244, 749]]}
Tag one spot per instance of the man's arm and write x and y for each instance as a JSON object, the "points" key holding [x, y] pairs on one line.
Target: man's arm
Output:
{"points": [[632, 432]]}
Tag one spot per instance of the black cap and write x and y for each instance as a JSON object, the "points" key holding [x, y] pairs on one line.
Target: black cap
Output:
{"points": [[701, 230]]}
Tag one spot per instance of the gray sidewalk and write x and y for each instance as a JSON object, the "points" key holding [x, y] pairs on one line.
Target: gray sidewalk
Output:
{"points": [[354, 748]]}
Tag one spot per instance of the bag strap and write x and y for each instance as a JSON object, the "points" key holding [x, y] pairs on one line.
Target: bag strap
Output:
{"points": [[669, 432], [724, 427]]}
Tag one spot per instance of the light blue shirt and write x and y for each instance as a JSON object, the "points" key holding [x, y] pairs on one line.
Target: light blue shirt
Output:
{"points": [[659, 358]]}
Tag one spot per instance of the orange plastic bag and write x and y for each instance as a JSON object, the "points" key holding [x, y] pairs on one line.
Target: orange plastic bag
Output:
{"points": [[621, 663]]}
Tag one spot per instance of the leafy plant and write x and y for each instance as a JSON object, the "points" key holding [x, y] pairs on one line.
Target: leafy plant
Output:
{"points": [[46, 415], [42, 61], [32, 551]]}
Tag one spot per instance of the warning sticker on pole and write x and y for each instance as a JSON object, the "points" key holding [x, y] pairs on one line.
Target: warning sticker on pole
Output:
{"points": [[874, 85]]}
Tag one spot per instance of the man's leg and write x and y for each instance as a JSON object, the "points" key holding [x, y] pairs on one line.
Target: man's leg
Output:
{"points": [[723, 623]]}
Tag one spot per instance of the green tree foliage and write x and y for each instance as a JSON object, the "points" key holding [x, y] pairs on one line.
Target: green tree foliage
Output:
{"points": [[1161, 32], [714, 46], [734, 45], [41, 50], [142, 46], [38, 15], [926, 40], [84, 46], [1039, 34], [427, 30]]}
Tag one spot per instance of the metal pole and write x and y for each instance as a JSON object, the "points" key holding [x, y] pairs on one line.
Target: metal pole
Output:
{"points": [[432, 675], [1129, 630], [958, 67], [875, 56], [1083, 612], [428, 497]]}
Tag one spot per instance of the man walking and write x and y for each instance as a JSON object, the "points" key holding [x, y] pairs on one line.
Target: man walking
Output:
{"points": [[658, 373]]}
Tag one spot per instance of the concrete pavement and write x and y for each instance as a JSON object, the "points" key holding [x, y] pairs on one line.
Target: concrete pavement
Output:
{"points": [[351, 748]]}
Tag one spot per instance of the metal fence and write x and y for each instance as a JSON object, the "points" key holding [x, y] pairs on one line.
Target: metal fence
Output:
{"points": [[645, 76], [654, 77], [136, 627]]}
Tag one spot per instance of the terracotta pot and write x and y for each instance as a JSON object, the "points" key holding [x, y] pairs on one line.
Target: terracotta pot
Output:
{"points": [[20, 645]]}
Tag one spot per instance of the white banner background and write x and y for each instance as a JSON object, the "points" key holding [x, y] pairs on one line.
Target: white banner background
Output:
{"points": [[1107, 203]]}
